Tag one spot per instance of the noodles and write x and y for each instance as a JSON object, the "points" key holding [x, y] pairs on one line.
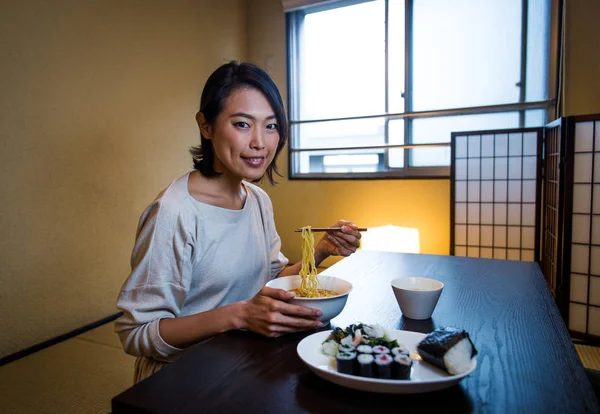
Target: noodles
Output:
{"points": [[309, 286]]}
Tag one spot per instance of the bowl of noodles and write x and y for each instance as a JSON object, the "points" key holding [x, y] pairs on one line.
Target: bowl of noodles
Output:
{"points": [[332, 294]]}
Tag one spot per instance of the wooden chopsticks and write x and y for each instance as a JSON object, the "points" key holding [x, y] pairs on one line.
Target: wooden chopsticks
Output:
{"points": [[329, 228]]}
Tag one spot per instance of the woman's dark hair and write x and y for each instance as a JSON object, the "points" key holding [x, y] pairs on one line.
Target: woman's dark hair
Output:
{"points": [[219, 86]]}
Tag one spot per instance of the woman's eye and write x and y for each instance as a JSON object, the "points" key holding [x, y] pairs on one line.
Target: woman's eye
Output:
{"points": [[241, 124], [272, 126]]}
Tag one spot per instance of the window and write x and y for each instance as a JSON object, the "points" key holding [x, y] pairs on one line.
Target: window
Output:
{"points": [[378, 86]]}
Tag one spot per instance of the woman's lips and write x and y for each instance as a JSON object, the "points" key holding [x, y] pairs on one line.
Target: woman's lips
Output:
{"points": [[254, 161]]}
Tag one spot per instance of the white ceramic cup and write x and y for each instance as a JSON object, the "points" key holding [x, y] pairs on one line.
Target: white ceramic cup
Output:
{"points": [[417, 296]]}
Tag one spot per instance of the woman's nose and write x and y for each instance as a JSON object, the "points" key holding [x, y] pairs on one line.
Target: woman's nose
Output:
{"points": [[257, 140]]}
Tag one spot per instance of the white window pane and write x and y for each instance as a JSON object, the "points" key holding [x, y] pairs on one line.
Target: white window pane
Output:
{"points": [[529, 167], [460, 169], [461, 146], [460, 213], [596, 207], [396, 56], [460, 234], [514, 236], [458, 32], [500, 236], [597, 137], [473, 213], [579, 258], [439, 129], [487, 213], [597, 168], [499, 213], [581, 229], [514, 214], [487, 191], [501, 168], [487, 145], [474, 146], [579, 287], [487, 236], [514, 191], [582, 198], [473, 190], [529, 191], [461, 190], [500, 190], [396, 137], [340, 134], [528, 216], [577, 317], [528, 237], [515, 144], [584, 136], [582, 168], [474, 168], [325, 90], [501, 143], [514, 167], [473, 235], [529, 143]]}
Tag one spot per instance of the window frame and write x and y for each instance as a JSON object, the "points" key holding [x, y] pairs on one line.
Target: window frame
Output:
{"points": [[294, 21]]}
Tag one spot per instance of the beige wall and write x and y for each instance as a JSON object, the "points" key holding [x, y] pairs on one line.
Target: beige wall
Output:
{"points": [[96, 115], [582, 58]]}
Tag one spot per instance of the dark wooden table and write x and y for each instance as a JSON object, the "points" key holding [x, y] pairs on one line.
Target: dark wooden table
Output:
{"points": [[526, 362]]}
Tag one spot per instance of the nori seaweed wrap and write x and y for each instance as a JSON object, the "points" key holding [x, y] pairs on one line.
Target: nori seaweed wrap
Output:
{"points": [[383, 366], [365, 365], [448, 348], [346, 362], [401, 367]]}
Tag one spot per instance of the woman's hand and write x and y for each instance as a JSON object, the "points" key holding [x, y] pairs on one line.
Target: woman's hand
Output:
{"points": [[338, 243], [269, 314]]}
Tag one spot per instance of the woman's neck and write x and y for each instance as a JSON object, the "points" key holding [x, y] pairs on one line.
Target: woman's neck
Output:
{"points": [[220, 191]]}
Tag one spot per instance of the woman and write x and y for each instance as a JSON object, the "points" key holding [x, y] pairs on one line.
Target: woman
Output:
{"points": [[206, 247]]}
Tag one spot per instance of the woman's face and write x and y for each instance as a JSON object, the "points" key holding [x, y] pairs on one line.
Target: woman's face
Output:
{"points": [[244, 135]]}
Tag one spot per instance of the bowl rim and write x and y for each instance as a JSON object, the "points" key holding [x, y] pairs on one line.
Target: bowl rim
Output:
{"points": [[323, 298], [395, 285]]}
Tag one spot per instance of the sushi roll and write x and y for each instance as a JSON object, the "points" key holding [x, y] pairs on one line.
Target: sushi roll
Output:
{"points": [[346, 362], [383, 365], [448, 348], [400, 350], [346, 348], [401, 367], [364, 349], [379, 349], [365, 364]]}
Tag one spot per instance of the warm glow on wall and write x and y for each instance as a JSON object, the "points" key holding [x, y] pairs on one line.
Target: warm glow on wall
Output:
{"points": [[391, 239]]}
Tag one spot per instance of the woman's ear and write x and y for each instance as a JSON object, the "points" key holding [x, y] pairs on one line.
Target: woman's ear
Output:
{"points": [[204, 126]]}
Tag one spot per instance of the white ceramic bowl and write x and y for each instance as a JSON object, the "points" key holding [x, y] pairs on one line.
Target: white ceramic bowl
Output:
{"points": [[417, 296], [330, 306]]}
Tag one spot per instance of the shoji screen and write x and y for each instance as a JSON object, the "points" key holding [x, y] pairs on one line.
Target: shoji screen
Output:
{"points": [[495, 193], [583, 209]]}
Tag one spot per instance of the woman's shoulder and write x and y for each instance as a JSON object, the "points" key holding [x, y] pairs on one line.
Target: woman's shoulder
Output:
{"points": [[172, 200]]}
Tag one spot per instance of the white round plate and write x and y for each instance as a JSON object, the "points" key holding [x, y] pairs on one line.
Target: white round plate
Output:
{"points": [[424, 377]]}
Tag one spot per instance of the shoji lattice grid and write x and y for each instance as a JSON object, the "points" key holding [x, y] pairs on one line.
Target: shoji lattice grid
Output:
{"points": [[584, 302], [495, 191], [551, 230]]}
